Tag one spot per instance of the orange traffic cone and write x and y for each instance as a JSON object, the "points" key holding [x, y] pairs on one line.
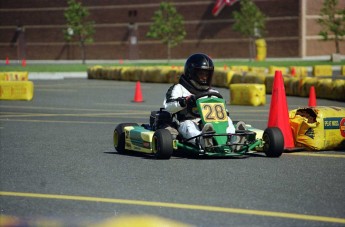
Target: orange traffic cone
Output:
{"points": [[293, 71], [23, 62], [7, 61], [312, 97], [138, 97], [279, 113]]}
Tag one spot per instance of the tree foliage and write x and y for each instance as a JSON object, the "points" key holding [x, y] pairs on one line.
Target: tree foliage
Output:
{"points": [[167, 26], [78, 27], [250, 22], [332, 21]]}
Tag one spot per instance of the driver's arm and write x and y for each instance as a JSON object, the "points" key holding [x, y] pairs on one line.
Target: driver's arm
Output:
{"points": [[173, 96]]}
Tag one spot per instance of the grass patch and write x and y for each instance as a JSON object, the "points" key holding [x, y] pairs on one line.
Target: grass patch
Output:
{"points": [[74, 67]]}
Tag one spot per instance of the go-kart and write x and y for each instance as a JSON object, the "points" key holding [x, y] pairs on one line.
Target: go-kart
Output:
{"points": [[157, 138]]}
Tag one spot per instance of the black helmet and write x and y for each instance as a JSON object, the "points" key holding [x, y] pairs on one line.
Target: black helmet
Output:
{"points": [[198, 70]]}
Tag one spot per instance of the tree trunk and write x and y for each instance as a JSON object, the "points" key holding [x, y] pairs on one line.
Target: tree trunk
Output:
{"points": [[169, 52], [337, 48], [83, 55], [251, 49]]}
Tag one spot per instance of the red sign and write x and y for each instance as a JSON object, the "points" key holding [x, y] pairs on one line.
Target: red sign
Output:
{"points": [[342, 127]]}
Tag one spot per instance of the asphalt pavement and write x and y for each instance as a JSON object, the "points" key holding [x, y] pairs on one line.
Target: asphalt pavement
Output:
{"points": [[58, 164]]}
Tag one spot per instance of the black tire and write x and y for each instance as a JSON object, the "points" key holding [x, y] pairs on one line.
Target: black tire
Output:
{"points": [[273, 142], [119, 137], [162, 144]]}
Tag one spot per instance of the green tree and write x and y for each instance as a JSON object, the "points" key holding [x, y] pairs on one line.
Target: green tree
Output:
{"points": [[332, 21], [250, 22], [78, 27], [167, 26]]}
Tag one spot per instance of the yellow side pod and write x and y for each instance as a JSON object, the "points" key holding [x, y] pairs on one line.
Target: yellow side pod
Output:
{"points": [[16, 90], [247, 94]]}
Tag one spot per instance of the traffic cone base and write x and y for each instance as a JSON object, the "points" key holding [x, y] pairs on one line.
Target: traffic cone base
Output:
{"points": [[279, 113], [138, 96]]}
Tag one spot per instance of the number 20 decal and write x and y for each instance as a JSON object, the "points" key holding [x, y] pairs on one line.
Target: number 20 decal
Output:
{"points": [[213, 112]]}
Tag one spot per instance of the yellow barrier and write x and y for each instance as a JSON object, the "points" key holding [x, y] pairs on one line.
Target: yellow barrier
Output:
{"points": [[299, 71], [257, 69], [322, 70], [272, 70], [16, 90], [261, 49], [318, 128], [247, 94], [343, 70], [14, 76], [240, 68]]}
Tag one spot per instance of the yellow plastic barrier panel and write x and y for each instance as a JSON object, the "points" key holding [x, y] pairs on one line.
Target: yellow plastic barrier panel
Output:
{"points": [[16, 90], [261, 49], [272, 70], [247, 94], [14, 76], [239, 68], [298, 71], [318, 128], [257, 69], [322, 70]]}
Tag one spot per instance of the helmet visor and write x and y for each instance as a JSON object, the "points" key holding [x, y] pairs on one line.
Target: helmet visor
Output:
{"points": [[203, 76]]}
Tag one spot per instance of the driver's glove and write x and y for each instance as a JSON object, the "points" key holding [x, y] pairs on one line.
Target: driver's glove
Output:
{"points": [[189, 101]]}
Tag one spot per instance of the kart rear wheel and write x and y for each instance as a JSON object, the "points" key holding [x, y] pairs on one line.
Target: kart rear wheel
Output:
{"points": [[273, 142], [119, 137], [162, 144]]}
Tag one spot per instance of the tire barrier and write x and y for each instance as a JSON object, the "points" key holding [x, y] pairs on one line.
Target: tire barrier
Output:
{"points": [[16, 90], [322, 70], [318, 128], [14, 76], [272, 70], [240, 68], [298, 71], [296, 81], [247, 94]]}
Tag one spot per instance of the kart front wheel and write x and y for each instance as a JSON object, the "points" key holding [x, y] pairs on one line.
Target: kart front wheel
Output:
{"points": [[162, 144], [119, 137], [273, 142]]}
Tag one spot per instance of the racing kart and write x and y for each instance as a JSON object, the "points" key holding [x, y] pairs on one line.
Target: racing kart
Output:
{"points": [[158, 137]]}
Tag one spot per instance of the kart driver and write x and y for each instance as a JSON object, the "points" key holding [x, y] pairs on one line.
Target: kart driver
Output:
{"points": [[196, 80]]}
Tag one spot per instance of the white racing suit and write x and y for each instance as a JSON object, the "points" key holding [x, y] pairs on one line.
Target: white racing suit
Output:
{"points": [[188, 125]]}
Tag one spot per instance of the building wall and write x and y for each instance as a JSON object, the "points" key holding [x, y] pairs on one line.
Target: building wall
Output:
{"points": [[315, 46], [44, 21]]}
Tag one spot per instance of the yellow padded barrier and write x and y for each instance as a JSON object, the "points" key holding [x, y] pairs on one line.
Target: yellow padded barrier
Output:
{"points": [[239, 68], [343, 70], [322, 70], [247, 94], [14, 76], [272, 70], [257, 69], [318, 128], [16, 90], [299, 71]]}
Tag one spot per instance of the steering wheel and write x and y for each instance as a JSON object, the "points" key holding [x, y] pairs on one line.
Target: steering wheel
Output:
{"points": [[206, 94]]}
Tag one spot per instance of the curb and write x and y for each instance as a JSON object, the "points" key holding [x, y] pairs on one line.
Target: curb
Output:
{"points": [[57, 76]]}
